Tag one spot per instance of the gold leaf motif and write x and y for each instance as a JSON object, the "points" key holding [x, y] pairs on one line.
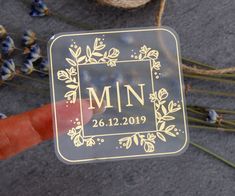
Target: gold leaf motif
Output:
{"points": [[123, 139], [164, 110], [176, 109], [71, 86], [97, 54], [100, 47], [158, 114], [170, 106], [93, 60], [167, 118], [71, 62], [162, 126], [78, 140], [161, 136], [95, 43], [78, 52], [149, 147], [80, 59], [71, 95], [88, 52], [128, 143], [169, 128], [72, 52], [170, 134], [136, 140]]}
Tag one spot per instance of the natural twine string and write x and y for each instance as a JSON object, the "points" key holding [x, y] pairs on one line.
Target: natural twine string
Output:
{"points": [[188, 69], [159, 14]]}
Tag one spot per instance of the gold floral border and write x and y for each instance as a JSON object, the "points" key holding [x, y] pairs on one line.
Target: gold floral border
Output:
{"points": [[98, 54], [163, 114], [93, 55]]}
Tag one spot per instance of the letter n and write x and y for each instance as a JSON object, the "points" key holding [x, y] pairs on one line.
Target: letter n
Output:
{"points": [[139, 98]]}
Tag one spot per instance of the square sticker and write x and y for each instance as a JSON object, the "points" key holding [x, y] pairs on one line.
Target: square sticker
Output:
{"points": [[117, 94]]}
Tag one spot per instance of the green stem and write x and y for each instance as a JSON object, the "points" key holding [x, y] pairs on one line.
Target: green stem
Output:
{"points": [[222, 111], [196, 120], [212, 92], [209, 78], [211, 128], [207, 66], [227, 122], [198, 63], [41, 40], [39, 71], [215, 155], [33, 79], [195, 111]]}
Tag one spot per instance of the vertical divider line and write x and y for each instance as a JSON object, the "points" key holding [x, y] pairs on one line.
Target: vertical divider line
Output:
{"points": [[118, 97], [80, 99], [151, 73]]}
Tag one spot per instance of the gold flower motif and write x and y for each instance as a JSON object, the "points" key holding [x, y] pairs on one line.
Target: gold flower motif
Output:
{"points": [[153, 97], [77, 136]]}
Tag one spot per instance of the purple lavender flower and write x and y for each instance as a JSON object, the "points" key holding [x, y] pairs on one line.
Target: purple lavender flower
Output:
{"points": [[35, 53], [8, 46], [27, 67], [7, 70], [39, 8], [44, 67], [29, 38]]}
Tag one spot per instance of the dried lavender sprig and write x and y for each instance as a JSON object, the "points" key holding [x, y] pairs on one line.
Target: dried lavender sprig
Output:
{"points": [[215, 155]]}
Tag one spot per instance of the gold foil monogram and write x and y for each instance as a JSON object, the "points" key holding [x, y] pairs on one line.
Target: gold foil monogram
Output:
{"points": [[132, 75]]}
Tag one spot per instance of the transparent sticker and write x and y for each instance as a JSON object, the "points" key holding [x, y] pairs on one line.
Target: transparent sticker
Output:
{"points": [[117, 94]]}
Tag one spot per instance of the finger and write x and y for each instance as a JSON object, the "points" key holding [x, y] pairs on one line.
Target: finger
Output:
{"points": [[22, 131]]}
